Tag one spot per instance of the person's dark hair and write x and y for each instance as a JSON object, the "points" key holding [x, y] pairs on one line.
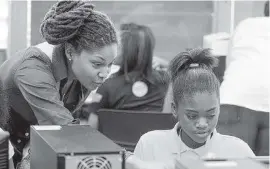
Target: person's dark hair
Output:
{"points": [[266, 8], [191, 72], [137, 47], [77, 23]]}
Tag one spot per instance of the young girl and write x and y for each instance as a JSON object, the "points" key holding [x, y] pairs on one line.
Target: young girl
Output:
{"points": [[196, 106]]}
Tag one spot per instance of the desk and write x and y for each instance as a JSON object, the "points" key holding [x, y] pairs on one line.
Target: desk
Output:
{"points": [[247, 163]]}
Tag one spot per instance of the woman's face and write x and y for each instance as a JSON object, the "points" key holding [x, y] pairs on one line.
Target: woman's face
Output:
{"points": [[92, 67], [198, 115]]}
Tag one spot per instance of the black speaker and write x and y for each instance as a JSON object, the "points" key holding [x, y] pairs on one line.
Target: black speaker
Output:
{"points": [[73, 147]]}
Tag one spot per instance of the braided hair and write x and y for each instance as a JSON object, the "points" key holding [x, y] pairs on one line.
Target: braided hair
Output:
{"points": [[191, 72], [77, 23]]}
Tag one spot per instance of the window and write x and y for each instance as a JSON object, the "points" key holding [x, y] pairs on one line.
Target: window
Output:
{"points": [[3, 23]]}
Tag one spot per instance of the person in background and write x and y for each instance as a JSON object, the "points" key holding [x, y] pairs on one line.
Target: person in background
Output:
{"points": [[136, 86], [244, 92], [47, 83], [196, 107]]}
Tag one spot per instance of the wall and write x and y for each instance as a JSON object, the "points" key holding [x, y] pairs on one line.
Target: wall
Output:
{"points": [[17, 23], [177, 25], [222, 16], [245, 9], [242, 10], [38, 11]]}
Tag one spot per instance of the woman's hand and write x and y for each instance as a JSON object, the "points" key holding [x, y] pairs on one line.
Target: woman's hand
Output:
{"points": [[93, 120], [132, 162]]}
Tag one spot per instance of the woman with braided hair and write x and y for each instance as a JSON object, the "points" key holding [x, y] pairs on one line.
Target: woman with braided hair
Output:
{"points": [[47, 83]]}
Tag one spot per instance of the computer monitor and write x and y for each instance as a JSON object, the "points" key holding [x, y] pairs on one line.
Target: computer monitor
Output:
{"points": [[125, 127]]}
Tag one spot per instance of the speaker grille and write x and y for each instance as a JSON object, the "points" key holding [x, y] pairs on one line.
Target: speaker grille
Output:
{"points": [[94, 162]]}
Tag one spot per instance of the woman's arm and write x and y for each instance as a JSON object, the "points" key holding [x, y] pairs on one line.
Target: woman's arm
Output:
{"points": [[35, 80]]}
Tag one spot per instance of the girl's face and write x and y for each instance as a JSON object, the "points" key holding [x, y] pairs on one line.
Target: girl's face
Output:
{"points": [[198, 115], [92, 67]]}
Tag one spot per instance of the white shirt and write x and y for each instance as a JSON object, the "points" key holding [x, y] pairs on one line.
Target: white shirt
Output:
{"points": [[166, 145], [246, 78]]}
